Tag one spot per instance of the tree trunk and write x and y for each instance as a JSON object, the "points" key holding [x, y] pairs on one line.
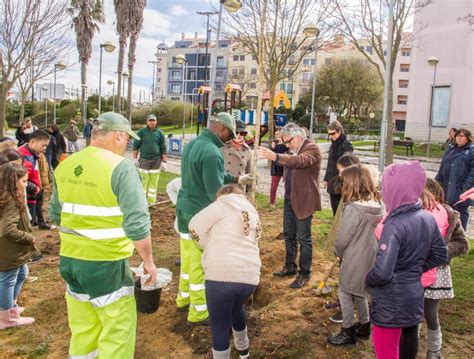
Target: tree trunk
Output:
{"points": [[84, 92], [389, 143], [3, 105], [22, 107], [131, 64], [271, 112], [121, 59]]}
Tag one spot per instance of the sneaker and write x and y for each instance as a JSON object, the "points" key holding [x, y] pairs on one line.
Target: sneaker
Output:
{"points": [[329, 306], [362, 330], [31, 279], [272, 206], [44, 226], [37, 258], [299, 282], [336, 318], [205, 322], [284, 272]]}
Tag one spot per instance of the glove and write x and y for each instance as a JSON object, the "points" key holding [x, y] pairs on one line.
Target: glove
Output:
{"points": [[245, 179], [164, 166]]}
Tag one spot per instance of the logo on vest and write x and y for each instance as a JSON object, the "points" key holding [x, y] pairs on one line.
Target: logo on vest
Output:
{"points": [[78, 171]]}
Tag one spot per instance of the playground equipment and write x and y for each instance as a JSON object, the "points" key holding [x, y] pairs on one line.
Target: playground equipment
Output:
{"points": [[231, 92], [202, 101]]}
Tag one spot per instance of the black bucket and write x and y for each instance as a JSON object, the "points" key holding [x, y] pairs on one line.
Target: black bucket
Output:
{"points": [[148, 301]]}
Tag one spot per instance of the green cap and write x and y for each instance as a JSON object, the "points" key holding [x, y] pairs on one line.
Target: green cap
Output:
{"points": [[112, 121], [227, 121]]}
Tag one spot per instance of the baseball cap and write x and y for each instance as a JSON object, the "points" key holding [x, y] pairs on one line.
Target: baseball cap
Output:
{"points": [[112, 121], [227, 121], [151, 116]]}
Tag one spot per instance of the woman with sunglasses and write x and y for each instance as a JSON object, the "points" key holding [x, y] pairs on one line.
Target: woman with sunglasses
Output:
{"points": [[339, 145]]}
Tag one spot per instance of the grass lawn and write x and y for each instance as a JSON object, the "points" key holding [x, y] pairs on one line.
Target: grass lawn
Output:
{"points": [[419, 150]]}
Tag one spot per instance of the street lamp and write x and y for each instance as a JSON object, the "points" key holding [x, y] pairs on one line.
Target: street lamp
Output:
{"points": [[181, 59], [59, 66], [45, 89], [109, 47], [231, 6], [125, 76], [312, 31], [84, 109], [432, 61], [110, 82]]}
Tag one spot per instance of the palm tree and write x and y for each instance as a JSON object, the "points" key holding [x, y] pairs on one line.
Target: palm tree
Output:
{"points": [[137, 8], [123, 9], [86, 17]]}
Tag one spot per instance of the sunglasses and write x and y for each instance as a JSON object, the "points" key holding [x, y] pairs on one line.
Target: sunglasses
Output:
{"points": [[332, 133], [287, 142], [242, 133]]}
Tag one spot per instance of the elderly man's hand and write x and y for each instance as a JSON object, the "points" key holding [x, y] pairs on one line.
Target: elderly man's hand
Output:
{"points": [[267, 154]]}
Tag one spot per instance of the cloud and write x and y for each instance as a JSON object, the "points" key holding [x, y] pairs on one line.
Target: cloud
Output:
{"points": [[178, 10]]}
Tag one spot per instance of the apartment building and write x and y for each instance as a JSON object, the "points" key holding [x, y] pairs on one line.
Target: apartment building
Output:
{"points": [[183, 80], [160, 90], [446, 35]]}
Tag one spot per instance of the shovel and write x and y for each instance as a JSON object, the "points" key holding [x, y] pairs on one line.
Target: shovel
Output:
{"points": [[158, 203], [323, 288]]}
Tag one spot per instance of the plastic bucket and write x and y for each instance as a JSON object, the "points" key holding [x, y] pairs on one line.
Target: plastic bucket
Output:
{"points": [[148, 301]]}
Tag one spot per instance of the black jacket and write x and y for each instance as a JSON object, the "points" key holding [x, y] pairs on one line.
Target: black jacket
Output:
{"points": [[410, 245], [337, 149], [276, 169]]}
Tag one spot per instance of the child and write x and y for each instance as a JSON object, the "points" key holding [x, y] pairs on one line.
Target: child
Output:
{"points": [[449, 224], [409, 245], [16, 241], [356, 245], [13, 156], [229, 230]]}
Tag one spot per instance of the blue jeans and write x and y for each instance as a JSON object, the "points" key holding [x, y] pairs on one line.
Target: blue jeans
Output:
{"points": [[297, 230], [10, 286], [225, 303]]}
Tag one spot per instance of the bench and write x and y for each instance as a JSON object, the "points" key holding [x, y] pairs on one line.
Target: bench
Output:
{"points": [[407, 144]]}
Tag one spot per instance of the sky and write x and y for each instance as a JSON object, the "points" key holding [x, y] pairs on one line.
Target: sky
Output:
{"points": [[164, 20]]}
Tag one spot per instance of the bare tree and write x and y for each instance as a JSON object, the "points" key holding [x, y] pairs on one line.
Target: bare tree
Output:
{"points": [[137, 7], [86, 17], [26, 29], [244, 80], [284, 44], [364, 23]]}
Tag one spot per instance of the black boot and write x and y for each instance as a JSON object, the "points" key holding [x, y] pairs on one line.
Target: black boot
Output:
{"points": [[346, 336], [363, 330]]}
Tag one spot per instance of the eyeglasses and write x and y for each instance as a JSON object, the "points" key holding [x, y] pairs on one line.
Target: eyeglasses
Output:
{"points": [[242, 133], [288, 141], [332, 133]]}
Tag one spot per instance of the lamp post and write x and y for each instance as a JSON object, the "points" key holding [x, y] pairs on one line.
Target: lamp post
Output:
{"points": [[231, 6], [59, 66], [110, 82], [432, 61], [84, 109], [312, 31], [207, 14], [181, 59], [125, 76], [109, 47], [154, 62], [45, 89]]}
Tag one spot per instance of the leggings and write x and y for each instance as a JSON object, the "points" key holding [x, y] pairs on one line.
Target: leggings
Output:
{"points": [[395, 343], [274, 188], [431, 313]]}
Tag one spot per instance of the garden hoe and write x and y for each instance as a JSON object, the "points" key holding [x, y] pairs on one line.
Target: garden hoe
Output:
{"points": [[323, 288]]}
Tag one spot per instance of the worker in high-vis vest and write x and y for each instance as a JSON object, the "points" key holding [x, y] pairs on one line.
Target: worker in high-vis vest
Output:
{"points": [[202, 175], [150, 150], [102, 214]]}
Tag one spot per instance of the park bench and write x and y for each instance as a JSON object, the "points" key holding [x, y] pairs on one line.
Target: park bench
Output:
{"points": [[407, 143]]}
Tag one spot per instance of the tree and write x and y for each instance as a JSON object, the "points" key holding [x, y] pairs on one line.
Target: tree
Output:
{"points": [[122, 13], [364, 24], [348, 87], [244, 80], [86, 17], [29, 29], [284, 44], [136, 8]]}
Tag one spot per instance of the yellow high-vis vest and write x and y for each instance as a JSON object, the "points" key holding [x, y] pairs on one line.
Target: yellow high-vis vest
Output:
{"points": [[91, 219]]}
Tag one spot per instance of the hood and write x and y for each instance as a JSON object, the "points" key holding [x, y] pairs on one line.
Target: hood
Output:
{"points": [[241, 204], [402, 184], [371, 210]]}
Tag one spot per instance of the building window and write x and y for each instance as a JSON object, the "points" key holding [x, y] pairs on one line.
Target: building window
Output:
{"points": [[369, 49], [175, 88], [192, 75], [242, 57], [253, 71], [402, 100], [291, 60], [235, 57], [159, 69], [220, 61], [305, 77], [404, 68], [241, 71], [235, 72], [253, 85], [175, 75], [406, 52], [403, 84], [254, 58], [307, 62]]}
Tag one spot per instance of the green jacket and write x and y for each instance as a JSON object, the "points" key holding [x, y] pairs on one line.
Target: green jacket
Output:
{"points": [[16, 240], [202, 173], [152, 144]]}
